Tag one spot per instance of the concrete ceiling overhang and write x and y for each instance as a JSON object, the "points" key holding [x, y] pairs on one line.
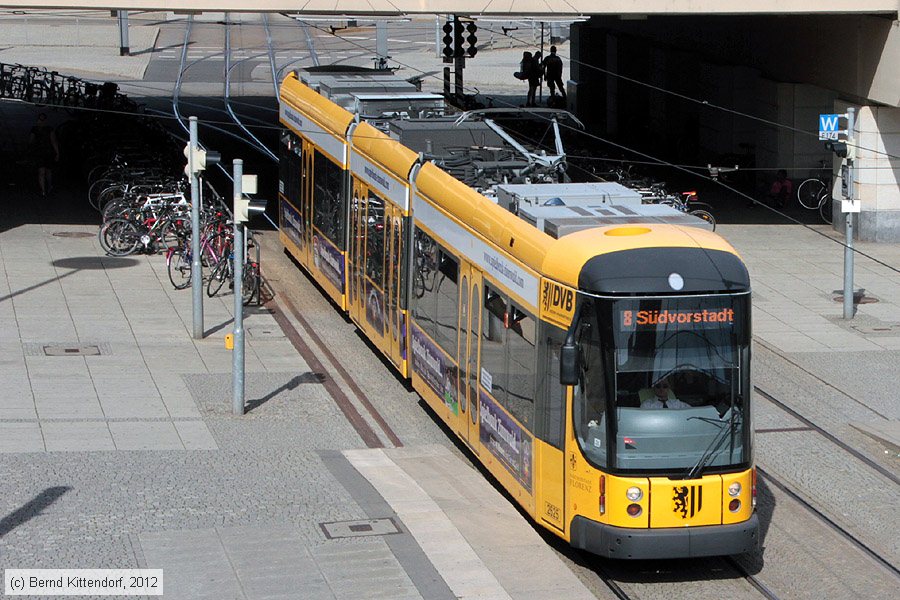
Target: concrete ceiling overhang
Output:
{"points": [[555, 8]]}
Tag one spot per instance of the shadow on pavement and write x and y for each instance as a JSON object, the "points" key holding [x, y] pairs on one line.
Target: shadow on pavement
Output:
{"points": [[31, 509]]}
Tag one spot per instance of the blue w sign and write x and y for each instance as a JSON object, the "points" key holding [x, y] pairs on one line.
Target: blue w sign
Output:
{"points": [[828, 127]]}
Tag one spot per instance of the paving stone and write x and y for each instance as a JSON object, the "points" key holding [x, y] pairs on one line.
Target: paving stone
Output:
{"points": [[136, 435], [21, 437], [77, 436]]}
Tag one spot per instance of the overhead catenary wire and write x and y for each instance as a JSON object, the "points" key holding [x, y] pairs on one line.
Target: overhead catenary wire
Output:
{"points": [[705, 103], [660, 161], [653, 160], [228, 68]]}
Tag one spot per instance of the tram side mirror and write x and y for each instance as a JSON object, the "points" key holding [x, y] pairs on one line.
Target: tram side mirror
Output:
{"points": [[568, 364]]}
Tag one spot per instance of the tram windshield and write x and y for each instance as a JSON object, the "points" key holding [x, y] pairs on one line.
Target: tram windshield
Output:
{"points": [[673, 373]]}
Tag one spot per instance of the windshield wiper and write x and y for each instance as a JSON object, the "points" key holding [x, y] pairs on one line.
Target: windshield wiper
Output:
{"points": [[712, 450]]}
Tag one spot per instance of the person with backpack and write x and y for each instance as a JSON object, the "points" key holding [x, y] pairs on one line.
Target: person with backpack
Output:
{"points": [[535, 75]]}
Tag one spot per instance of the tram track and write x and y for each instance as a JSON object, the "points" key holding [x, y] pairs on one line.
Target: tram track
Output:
{"points": [[750, 578], [831, 523], [359, 411], [655, 578], [829, 436], [798, 495]]}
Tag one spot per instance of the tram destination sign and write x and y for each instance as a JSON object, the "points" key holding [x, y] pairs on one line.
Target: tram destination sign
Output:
{"points": [[631, 320]]}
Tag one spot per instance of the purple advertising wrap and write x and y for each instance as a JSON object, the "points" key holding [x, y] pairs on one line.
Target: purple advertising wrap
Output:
{"points": [[504, 439], [291, 223], [329, 261], [430, 363]]}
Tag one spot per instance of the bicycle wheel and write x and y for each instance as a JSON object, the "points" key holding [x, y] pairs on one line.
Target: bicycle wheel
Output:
{"points": [[178, 263], [826, 207], [808, 193], [119, 237], [251, 283], [706, 216], [219, 276], [173, 231], [97, 187]]}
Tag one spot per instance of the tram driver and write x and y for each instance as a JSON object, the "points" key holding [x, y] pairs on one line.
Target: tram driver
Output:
{"points": [[661, 395]]}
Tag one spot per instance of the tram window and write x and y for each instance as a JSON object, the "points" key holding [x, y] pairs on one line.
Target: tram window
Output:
{"points": [[291, 167], [493, 343], [425, 277], [328, 199], [447, 314], [522, 355], [376, 229], [550, 406]]}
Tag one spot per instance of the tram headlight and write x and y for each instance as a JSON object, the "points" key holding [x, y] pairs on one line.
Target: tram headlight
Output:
{"points": [[634, 494], [734, 489]]}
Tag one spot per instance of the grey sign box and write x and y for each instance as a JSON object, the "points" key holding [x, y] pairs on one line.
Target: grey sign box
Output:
{"points": [[361, 528], [71, 350]]}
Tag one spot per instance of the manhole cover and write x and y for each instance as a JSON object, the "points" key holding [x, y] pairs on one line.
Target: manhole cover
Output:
{"points": [[362, 528], [71, 350], [73, 234]]}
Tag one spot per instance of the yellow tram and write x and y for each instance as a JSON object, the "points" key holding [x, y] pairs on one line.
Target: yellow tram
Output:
{"points": [[559, 361]]}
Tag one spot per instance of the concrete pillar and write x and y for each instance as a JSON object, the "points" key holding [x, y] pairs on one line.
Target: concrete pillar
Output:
{"points": [[877, 176]]}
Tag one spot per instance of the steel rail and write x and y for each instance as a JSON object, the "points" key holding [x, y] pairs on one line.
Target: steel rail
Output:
{"points": [[830, 522], [830, 437], [758, 585]]}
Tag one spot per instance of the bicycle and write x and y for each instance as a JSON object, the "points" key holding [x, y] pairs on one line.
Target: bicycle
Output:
{"points": [[179, 259], [826, 207], [810, 190], [224, 271], [687, 202]]}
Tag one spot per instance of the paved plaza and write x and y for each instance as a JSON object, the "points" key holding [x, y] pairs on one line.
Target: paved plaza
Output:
{"points": [[118, 447]]}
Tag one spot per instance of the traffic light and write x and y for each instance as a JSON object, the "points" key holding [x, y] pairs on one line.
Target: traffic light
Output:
{"points": [[244, 208], [472, 50], [202, 159], [842, 149], [459, 30], [448, 39]]}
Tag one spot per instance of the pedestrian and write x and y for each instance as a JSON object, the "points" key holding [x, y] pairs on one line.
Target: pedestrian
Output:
{"points": [[535, 75], [553, 68], [525, 67], [45, 151], [782, 189]]}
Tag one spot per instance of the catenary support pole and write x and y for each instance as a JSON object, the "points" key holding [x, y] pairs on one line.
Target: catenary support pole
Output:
{"points": [[196, 267], [381, 44], [124, 49], [237, 357], [848, 224]]}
